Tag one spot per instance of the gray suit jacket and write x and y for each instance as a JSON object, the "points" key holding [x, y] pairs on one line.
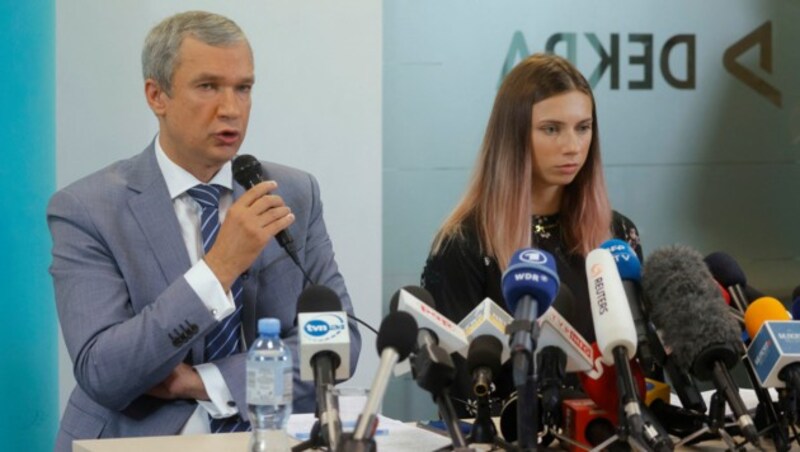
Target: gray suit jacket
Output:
{"points": [[118, 265]]}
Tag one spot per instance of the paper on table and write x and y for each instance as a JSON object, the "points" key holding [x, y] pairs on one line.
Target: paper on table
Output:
{"points": [[392, 434]]}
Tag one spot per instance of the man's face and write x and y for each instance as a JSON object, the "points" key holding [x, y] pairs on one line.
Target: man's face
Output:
{"points": [[203, 120]]}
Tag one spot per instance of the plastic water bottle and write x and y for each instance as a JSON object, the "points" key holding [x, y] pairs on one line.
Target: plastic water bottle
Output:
{"points": [[269, 388]]}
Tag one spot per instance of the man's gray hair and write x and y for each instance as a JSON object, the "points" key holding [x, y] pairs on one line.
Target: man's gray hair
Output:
{"points": [[160, 52]]}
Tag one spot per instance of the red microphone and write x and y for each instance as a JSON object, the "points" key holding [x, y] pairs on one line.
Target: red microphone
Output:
{"points": [[725, 294], [600, 384]]}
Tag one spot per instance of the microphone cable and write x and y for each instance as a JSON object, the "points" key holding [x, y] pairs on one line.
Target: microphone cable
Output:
{"points": [[247, 171]]}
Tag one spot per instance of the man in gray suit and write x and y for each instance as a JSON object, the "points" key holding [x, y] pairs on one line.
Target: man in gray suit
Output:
{"points": [[138, 297]]}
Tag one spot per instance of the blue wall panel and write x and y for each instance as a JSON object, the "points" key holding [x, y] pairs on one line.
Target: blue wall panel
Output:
{"points": [[29, 372]]}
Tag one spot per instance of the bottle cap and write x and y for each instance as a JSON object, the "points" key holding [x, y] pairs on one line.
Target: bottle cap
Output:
{"points": [[269, 326]]}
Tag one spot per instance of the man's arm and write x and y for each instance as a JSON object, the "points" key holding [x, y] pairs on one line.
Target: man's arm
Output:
{"points": [[117, 354]]}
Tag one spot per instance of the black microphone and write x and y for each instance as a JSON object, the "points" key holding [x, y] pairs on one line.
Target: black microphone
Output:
{"points": [[484, 363], [247, 171], [730, 275], [395, 341], [796, 303], [692, 318], [324, 345], [431, 365]]}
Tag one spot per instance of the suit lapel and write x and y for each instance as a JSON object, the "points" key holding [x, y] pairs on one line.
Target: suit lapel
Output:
{"points": [[153, 210]]}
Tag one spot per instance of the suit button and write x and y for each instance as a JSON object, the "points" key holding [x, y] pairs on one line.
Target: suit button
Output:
{"points": [[177, 341], [193, 329]]}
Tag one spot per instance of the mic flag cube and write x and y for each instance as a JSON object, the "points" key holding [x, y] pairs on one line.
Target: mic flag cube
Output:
{"points": [[488, 318], [324, 332], [776, 345]]}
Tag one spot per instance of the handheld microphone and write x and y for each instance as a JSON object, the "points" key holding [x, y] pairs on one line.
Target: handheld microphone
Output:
{"points": [[395, 341], [693, 321], [630, 270], [324, 353], [775, 348], [247, 171]]}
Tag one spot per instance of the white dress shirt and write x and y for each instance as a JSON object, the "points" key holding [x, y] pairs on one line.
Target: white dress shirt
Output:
{"points": [[201, 279]]}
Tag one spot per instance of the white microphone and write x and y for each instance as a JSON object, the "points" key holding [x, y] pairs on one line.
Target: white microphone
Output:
{"points": [[323, 329], [611, 313], [396, 339], [615, 331], [451, 337], [324, 354]]}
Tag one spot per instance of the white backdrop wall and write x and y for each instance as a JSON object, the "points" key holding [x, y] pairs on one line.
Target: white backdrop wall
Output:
{"points": [[316, 106]]}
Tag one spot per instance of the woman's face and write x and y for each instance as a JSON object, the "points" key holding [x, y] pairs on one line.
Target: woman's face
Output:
{"points": [[561, 136]]}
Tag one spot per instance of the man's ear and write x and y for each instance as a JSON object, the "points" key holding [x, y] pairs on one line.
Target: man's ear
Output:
{"points": [[156, 97]]}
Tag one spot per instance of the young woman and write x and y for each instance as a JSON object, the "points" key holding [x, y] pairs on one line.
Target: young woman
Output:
{"points": [[538, 183]]}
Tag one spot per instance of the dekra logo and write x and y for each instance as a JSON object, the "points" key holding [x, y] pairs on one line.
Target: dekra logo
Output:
{"points": [[674, 57]]}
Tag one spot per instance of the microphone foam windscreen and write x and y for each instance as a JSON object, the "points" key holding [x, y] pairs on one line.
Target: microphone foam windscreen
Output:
{"points": [[628, 265], [246, 170], [725, 269], [399, 331], [418, 292], [763, 310], [318, 299], [485, 351], [685, 305]]}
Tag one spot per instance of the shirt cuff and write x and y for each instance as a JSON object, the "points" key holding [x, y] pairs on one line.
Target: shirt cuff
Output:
{"points": [[208, 288], [220, 404]]}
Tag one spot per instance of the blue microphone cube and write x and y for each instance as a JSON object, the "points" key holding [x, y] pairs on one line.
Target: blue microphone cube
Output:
{"points": [[533, 273], [776, 345], [628, 264]]}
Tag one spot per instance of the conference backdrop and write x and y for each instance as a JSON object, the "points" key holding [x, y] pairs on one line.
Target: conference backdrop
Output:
{"points": [[698, 109]]}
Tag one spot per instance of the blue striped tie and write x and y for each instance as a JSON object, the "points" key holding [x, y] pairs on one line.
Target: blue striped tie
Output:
{"points": [[224, 339]]}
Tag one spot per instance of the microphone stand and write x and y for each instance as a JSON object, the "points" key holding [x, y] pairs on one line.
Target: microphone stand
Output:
{"points": [[327, 429], [434, 371], [775, 423], [524, 372]]}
